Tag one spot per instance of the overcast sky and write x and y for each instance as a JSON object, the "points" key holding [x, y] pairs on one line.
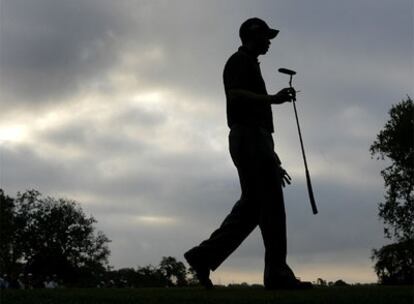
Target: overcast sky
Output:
{"points": [[120, 106]]}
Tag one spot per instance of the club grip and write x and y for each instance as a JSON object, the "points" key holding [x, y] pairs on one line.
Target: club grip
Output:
{"points": [[310, 192], [287, 71]]}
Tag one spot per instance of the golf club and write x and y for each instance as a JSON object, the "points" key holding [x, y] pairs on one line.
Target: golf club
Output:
{"points": [[308, 179]]}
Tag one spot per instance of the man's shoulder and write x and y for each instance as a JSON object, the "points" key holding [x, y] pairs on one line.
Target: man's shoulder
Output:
{"points": [[237, 56], [236, 61]]}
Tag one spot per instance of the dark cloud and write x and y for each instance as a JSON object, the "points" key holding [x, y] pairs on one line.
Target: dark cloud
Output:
{"points": [[51, 49]]}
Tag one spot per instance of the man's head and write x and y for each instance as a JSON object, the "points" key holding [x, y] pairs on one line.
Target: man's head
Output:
{"points": [[256, 34]]}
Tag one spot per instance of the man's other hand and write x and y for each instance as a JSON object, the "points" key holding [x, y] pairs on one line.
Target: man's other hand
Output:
{"points": [[286, 179]]}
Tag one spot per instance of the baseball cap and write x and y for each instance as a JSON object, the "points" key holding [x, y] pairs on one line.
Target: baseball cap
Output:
{"points": [[254, 26]]}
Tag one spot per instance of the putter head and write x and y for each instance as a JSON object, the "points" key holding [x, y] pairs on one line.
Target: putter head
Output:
{"points": [[287, 71]]}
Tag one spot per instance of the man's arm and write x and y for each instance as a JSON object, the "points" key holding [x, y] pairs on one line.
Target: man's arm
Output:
{"points": [[284, 95]]}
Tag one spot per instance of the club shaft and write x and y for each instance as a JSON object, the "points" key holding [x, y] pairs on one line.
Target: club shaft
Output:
{"points": [[310, 192], [300, 136], [308, 179]]}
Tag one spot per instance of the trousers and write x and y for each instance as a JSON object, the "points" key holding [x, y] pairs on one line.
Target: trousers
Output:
{"points": [[261, 204]]}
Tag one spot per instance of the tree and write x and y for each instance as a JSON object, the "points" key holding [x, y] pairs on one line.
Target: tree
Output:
{"points": [[396, 144], [192, 279], [147, 276], [321, 282], [174, 271], [340, 283], [395, 263], [8, 253], [54, 236], [151, 276]]}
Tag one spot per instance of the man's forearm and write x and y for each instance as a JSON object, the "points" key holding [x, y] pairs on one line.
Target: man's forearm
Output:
{"points": [[254, 97]]}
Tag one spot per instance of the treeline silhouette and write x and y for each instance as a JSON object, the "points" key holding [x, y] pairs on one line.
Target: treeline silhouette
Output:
{"points": [[166, 274], [49, 242]]}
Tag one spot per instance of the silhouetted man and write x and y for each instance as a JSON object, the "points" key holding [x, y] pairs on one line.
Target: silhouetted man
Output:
{"points": [[249, 116]]}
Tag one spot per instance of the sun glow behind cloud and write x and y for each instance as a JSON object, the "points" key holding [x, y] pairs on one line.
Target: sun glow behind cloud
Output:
{"points": [[12, 134], [155, 220]]}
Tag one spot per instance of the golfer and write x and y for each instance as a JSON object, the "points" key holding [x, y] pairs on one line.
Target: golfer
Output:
{"points": [[249, 117]]}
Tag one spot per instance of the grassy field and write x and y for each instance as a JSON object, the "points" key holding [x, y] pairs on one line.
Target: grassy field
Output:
{"points": [[336, 295]]}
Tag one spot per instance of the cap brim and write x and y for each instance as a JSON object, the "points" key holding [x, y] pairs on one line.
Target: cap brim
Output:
{"points": [[272, 33]]}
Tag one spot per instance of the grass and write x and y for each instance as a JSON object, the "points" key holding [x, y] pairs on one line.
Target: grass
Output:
{"points": [[336, 295]]}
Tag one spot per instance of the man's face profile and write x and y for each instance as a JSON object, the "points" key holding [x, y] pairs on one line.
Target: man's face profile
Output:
{"points": [[261, 43]]}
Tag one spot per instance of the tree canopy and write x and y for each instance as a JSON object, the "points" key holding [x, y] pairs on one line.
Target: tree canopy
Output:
{"points": [[395, 143], [45, 236]]}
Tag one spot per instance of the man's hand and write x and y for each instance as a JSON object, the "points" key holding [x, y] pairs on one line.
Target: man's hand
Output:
{"points": [[284, 95], [286, 179]]}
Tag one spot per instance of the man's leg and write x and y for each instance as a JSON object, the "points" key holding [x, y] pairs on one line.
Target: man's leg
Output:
{"points": [[235, 228], [244, 216], [272, 223], [212, 252]]}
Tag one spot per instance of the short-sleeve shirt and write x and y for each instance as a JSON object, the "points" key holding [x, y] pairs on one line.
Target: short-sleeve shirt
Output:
{"points": [[242, 71]]}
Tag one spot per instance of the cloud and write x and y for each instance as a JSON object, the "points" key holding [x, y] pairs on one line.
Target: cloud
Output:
{"points": [[49, 49]]}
